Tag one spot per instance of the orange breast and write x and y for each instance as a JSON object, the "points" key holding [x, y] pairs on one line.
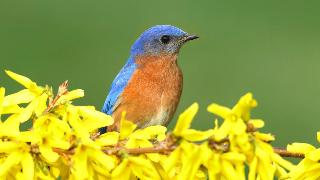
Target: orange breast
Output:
{"points": [[153, 93]]}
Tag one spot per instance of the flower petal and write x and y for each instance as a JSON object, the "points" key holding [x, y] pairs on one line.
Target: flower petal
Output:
{"points": [[75, 94], [23, 96], [107, 162], [257, 123], [221, 111], [13, 109], [264, 137], [122, 171], [300, 148], [92, 119], [48, 154], [185, 119], [27, 166], [24, 81], [195, 135], [26, 113], [8, 146], [13, 159], [244, 105], [2, 92], [80, 163], [10, 127], [149, 132], [41, 105], [234, 156], [107, 139], [313, 155], [126, 127]]}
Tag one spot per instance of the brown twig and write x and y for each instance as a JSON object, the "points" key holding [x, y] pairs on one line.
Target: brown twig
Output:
{"points": [[136, 151], [63, 89], [222, 145], [284, 153], [251, 128], [164, 148], [63, 151]]}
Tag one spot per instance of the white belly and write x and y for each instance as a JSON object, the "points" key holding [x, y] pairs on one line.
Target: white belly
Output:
{"points": [[160, 118]]}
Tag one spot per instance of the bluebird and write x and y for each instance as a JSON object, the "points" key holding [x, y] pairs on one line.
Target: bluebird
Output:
{"points": [[149, 86]]}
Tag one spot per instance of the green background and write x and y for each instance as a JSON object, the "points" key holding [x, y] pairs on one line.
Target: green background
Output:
{"points": [[270, 48]]}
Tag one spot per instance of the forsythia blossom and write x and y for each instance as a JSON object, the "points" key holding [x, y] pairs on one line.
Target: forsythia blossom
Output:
{"points": [[63, 142]]}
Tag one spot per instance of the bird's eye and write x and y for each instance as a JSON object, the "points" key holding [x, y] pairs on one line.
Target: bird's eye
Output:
{"points": [[165, 39]]}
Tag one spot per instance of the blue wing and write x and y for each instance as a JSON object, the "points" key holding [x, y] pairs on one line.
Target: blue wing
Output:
{"points": [[117, 87]]}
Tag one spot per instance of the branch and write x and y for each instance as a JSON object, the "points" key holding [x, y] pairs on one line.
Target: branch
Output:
{"points": [[284, 153], [137, 151], [165, 148]]}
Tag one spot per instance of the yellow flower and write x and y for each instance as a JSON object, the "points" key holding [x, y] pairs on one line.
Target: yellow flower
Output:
{"points": [[185, 119], [80, 131], [240, 110], [122, 171], [191, 160], [184, 122], [102, 160], [26, 82], [233, 124], [27, 166], [12, 160], [300, 147], [263, 136], [138, 166], [318, 136], [309, 167], [88, 162], [18, 156], [263, 154], [244, 106], [281, 162], [21, 97], [85, 120], [156, 132], [48, 154], [143, 168], [143, 138], [41, 104], [61, 144], [171, 161], [79, 169], [305, 169], [92, 119], [2, 92], [108, 139], [126, 127], [75, 94], [257, 123]]}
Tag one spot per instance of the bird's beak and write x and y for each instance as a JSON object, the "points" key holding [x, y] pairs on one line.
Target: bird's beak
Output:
{"points": [[190, 37]]}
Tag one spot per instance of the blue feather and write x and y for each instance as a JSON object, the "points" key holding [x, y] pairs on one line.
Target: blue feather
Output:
{"points": [[117, 87]]}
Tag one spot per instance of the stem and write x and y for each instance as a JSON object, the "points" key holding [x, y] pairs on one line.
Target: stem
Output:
{"points": [[137, 151], [63, 89], [160, 148], [284, 153]]}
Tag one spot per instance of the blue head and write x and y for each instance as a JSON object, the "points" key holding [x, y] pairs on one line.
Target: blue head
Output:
{"points": [[160, 39]]}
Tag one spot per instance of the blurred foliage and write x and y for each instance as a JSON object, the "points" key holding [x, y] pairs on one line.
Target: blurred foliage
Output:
{"points": [[270, 48]]}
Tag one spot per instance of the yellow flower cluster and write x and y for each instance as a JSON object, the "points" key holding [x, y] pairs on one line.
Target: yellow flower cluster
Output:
{"points": [[63, 143], [309, 167]]}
